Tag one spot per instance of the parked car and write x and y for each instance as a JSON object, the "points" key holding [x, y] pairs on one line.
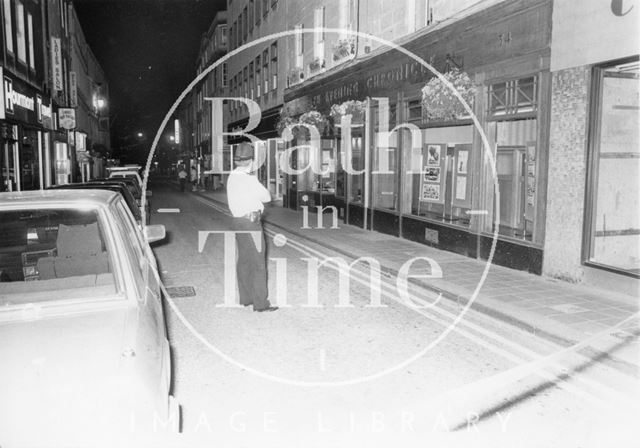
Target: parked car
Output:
{"points": [[133, 186], [110, 185], [130, 171], [85, 354]]}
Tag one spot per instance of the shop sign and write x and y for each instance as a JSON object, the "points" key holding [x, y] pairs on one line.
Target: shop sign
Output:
{"points": [[67, 118], [56, 63], [43, 113], [593, 31], [374, 82], [13, 98], [73, 89]]}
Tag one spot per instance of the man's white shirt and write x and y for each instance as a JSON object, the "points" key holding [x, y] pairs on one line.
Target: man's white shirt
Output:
{"points": [[245, 193]]}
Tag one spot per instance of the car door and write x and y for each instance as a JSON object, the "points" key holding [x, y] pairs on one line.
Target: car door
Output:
{"points": [[152, 329]]}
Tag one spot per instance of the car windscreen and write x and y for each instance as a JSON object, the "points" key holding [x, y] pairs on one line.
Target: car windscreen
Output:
{"points": [[50, 255]]}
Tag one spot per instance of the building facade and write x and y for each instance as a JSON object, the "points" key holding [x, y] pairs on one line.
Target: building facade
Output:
{"points": [[46, 66], [536, 174], [593, 215], [88, 95]]}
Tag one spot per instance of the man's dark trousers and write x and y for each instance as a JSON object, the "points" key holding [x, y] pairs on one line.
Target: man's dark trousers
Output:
{"points": [[251, 267]]}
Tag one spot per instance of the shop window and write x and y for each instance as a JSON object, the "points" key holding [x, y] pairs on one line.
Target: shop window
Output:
{"points": [[340, 177], [516, 167], [8, 28], [514, 97], [384, 194], [437, 174], [356, 181], [613, 204]]}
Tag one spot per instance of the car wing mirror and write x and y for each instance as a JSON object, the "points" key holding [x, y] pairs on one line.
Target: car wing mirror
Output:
{"points": [[154, 233]]}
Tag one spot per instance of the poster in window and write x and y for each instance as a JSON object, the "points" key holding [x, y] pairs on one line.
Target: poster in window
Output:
{"points": [[434, 155], [462, 161], [461, 195], [531, 181], [461, 188], [431, 174], [430, 193]]}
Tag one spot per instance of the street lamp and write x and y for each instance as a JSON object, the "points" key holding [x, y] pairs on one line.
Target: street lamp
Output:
{"points": [[140, 135]]}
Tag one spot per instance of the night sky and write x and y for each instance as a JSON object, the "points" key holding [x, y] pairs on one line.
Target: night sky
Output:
{"points": [[148, 49]]}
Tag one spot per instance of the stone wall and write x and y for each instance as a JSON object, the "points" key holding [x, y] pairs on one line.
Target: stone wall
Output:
{"points": [[567, 171]]}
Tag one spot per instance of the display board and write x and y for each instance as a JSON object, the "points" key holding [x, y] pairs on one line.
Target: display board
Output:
{"points": [[434, 172]]}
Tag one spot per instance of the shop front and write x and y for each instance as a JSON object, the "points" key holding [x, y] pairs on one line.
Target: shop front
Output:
{"points": [[26, 121], [594, 212], [417, 165]]}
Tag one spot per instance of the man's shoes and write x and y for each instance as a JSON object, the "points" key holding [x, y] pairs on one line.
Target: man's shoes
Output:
{"points": [[269, 308]]}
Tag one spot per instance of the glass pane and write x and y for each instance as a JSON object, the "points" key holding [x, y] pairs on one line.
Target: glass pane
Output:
{"points": [[356, 187], [616, 224], [49, 255]]}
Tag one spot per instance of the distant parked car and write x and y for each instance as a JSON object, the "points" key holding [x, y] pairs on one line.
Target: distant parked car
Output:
{"points": [[84, 350], [131, 171], [133, 186], [110, 185]]}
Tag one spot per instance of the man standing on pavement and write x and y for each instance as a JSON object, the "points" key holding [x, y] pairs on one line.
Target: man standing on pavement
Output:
{"points": [[194, 178], [245, 197], [182, 175]]}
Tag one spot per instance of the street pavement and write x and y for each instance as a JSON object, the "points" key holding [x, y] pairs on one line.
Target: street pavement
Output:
{"points": [[398, 374]]}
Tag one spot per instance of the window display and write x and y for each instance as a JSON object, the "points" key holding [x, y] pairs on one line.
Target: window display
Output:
{"points": [[437, 176]]}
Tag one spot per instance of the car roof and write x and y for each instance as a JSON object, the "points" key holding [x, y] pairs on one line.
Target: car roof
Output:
{"points": [[70, 197]]}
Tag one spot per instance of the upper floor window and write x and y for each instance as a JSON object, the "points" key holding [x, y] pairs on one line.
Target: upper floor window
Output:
{"points": [[8, 28], [265, 8], [32, 63], [257, 13], [20, 33], [299, 46], [318, 35], [223, 35], [346, 14], [225, 74]]}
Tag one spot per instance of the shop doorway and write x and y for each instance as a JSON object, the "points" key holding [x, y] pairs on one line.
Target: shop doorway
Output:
{"points": [[10, 167], [510, 167]]}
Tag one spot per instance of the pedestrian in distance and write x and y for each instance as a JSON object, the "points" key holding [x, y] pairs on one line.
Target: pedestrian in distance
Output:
{"points": [[194, 178], [182, 176], [246, 197]]}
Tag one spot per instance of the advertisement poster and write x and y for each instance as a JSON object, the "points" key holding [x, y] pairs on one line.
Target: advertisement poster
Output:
{"points": [[430, 193], [434, 155], [531, 181], [461, 188], [462, 162], [461, 177], [431, 174]]}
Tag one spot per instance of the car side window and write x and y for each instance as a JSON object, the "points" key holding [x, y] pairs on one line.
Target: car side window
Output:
{"points": [[132, 244]]}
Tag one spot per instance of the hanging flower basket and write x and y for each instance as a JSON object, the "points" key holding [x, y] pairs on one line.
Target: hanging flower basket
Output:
{"points": [[354, 108], [439, 103], [312, 118]]}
